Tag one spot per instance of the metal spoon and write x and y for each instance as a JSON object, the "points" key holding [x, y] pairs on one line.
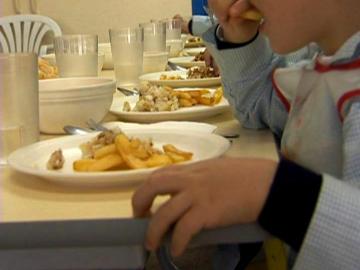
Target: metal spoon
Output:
{"points": [[73, 130]]}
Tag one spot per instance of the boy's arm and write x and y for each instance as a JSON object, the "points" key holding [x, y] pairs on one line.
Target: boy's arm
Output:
{"points": [[247, 79], [319, 215], [198, 25]]}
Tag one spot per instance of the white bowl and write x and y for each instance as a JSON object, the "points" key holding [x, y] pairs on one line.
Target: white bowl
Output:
{"points": [[154, 61], [52, 59], [106, 49], [73, 101], [176, 46]]}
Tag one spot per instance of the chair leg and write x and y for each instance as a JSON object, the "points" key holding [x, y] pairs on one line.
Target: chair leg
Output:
{"points": [[276, 255]]}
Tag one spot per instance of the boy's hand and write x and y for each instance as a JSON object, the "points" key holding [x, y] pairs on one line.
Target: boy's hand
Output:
{"points": [[204, 195], [235, 28], [184, 24], [210, 62]]}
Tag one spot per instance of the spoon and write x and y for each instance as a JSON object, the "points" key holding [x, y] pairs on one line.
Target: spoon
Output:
{"points": [[128, 92], [73, 130]]}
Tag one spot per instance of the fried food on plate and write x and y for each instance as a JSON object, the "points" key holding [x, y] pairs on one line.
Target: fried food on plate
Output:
{"points": [[199, 97], [163, 98], [56, 160], [46, 70], [125, 153]]}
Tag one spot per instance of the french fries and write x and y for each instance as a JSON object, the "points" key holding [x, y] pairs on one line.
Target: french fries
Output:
{"points": [[199, 97], [130, 153], [154, 98], [46, 70], [252, 14]]}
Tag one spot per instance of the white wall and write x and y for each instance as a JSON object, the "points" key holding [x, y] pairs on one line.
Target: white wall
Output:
{"points": [[97, 16]]}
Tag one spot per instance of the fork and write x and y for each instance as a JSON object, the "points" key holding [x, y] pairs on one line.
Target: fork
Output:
{"points": [[128, 92], [210, 13], [176, 67]]}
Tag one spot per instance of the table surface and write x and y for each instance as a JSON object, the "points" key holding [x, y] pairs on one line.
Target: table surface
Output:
{"points": [[42, 222], [30, 198]]}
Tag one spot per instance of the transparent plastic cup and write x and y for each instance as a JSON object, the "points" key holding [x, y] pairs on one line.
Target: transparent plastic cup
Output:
{"points": [[19, 102], [173, 29], [77, 55], [11, 138], [127, 52], [154, 36]]}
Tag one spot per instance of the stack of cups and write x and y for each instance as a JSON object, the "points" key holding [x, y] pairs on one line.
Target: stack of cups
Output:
{"points": [[19, 102], [77, 55], [127, 52], [155, 53], [173, 36]]}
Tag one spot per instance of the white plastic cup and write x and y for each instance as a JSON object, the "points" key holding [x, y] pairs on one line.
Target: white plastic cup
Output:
{"points": [[176, 47], [155, 61], [154, 36], [11, 138], [77, 55], [173, 29], [19, 102], [127, 52]]}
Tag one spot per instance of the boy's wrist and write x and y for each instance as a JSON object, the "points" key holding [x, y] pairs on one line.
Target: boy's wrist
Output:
{"points": [[291, 203], [189, 27]]}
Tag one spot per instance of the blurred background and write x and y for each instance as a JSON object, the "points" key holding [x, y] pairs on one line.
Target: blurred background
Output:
{"points": [[97, 16]]}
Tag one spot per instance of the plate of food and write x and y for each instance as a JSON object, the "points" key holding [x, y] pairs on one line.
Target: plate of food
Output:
{"points": [[193, 41], [193, 77], [194, 51], [114, 157], [188, 61], [162, 103]]}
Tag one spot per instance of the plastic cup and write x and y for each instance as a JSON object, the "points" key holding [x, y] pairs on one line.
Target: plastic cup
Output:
{"points": [[77, 55], [127, 53]]}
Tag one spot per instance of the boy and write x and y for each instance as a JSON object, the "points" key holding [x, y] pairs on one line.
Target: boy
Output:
{"points": [[309, 199]]}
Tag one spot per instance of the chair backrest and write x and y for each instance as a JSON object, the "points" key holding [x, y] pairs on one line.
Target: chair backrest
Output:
{"points": [[24, 33]]}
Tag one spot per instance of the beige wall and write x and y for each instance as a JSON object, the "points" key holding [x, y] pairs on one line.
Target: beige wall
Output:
{"points": [[97, 16]]}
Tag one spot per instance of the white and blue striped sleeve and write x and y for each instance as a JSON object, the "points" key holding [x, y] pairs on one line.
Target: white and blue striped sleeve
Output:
{"points": [[246, 73]]}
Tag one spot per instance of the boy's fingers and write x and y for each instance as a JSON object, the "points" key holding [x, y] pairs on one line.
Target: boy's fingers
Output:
{"points": [[238, 8], [220, 8], [159, 183], [189, 225], [164, 217]]}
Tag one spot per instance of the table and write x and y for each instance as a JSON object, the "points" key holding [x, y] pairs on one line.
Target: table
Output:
{"points": [[44, 225]]}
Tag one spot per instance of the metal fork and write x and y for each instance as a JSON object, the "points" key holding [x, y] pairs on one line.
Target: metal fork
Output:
{"points": [[210, 13], [128, 92], [176, 67]]}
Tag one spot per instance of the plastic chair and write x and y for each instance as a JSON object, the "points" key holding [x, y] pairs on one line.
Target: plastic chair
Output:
{"points": [[24, 33]]}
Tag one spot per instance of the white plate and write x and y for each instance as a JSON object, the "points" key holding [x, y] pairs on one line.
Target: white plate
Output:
{"points": [[190, 113], [194, 51], [187, 61], [32, 159], [155, 79], [189, 44]]}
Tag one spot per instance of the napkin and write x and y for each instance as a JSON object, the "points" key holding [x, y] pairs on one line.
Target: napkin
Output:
{"points": [[166, 125]]}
